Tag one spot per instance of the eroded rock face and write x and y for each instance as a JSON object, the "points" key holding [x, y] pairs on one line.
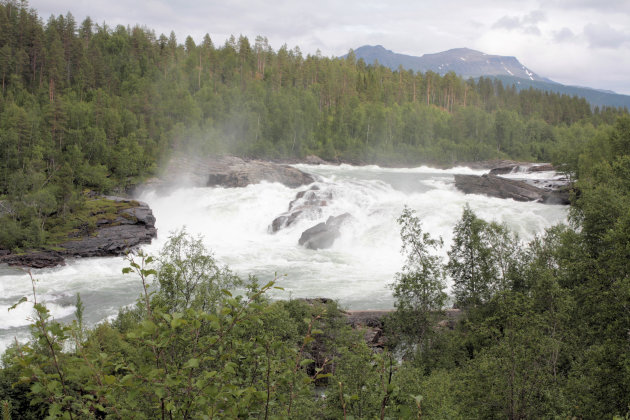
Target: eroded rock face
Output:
{"points": [[306, 205], [254, 172], [227, 171], [43, 259], [495, 186], [323, 235], [520, 167], [132, 227]]}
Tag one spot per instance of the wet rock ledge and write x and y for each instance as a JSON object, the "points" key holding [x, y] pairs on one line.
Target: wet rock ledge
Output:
{"points": [[124, 225], [225, 171], [496, 186]]}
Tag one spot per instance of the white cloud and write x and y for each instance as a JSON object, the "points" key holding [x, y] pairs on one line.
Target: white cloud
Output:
{"points": [[559, 39], [563, 35], [602, 35]]}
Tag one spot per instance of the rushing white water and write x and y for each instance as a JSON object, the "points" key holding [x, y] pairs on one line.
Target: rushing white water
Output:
{"points": [[234, 224]]}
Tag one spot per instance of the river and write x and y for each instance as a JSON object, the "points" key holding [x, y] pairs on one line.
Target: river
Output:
{"points": [[234, 223]]}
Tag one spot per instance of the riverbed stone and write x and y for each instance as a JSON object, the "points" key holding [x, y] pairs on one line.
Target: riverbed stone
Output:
{"points": [[227, 172], [496, 186], [323, 235]]}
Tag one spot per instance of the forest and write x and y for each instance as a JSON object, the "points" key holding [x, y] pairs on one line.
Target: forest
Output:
{"points": [[89, 107], [545, 325]]}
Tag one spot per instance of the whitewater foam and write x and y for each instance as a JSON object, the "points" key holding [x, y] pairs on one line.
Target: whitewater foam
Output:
{"points": [[356, 270]]}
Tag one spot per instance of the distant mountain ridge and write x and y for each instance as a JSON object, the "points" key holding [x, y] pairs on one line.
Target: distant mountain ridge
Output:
{"points": [[470, 63], [463, 61]]}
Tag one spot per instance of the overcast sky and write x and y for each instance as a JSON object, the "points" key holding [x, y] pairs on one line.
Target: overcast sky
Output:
{"points": [[576, 42]]}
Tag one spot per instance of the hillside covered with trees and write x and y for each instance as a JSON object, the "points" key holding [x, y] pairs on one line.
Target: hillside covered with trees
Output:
{"points": [[543, 332], [545, 326], [87, 106]]}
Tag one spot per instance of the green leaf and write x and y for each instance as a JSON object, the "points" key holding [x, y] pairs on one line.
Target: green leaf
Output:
{"points": [[229, 367], [306, 362], [417, 398], [177, 322], [192, 364], [126, 270], [22, 300]]}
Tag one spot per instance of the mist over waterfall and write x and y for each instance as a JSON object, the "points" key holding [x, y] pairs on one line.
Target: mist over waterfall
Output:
{"points": [[235, 225]]}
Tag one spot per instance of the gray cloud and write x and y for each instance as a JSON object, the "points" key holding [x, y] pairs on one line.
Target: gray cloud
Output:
{"points": [[602, 35], [532, 30], [526, 24], [507, 22], [544, 38], [616, 6], [563, 35], [534, 17]]}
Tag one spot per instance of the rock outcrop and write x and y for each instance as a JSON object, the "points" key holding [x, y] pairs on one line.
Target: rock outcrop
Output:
{"points": [[306, 205], [227, 171], [111, 236], [314, 160], [132, 227], [37, 259], [495, 186], [323, 235], [371, 324], [520, 167]]}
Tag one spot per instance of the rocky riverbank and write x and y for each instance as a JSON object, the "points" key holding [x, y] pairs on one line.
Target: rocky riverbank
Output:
{"points": [[497, 186], [225, 171], [371, 323], [110, 229], [520, 181]]}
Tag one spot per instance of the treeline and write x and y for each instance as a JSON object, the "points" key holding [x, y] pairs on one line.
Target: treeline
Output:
{"points": [[87, 106], [542, 332]]}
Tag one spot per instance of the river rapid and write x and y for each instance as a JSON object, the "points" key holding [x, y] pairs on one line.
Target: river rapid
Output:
{"points": [[234, 224]]}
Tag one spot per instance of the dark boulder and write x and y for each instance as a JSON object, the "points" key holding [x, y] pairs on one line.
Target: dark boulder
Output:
{"points": [[314, 160], [226, 171], [502, 170], [495, 186], [254, 172], [131, 227], [42, 259], [306, 205], [521, 167], [323, 235], [540, 167]]}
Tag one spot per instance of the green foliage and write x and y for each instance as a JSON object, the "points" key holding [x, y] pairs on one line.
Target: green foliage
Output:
{"points": [[482, 260], [108, 103], [189, 277], [470, 263], [543, 328], [419, 288], [190, 349]]}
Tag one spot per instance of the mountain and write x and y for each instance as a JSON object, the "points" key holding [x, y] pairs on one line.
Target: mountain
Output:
{"points": [[470, 63]]}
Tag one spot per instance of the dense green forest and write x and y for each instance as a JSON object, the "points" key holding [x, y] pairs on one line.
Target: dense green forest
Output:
{"points": [[543, 332], [86, 106], [545, 326]]}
